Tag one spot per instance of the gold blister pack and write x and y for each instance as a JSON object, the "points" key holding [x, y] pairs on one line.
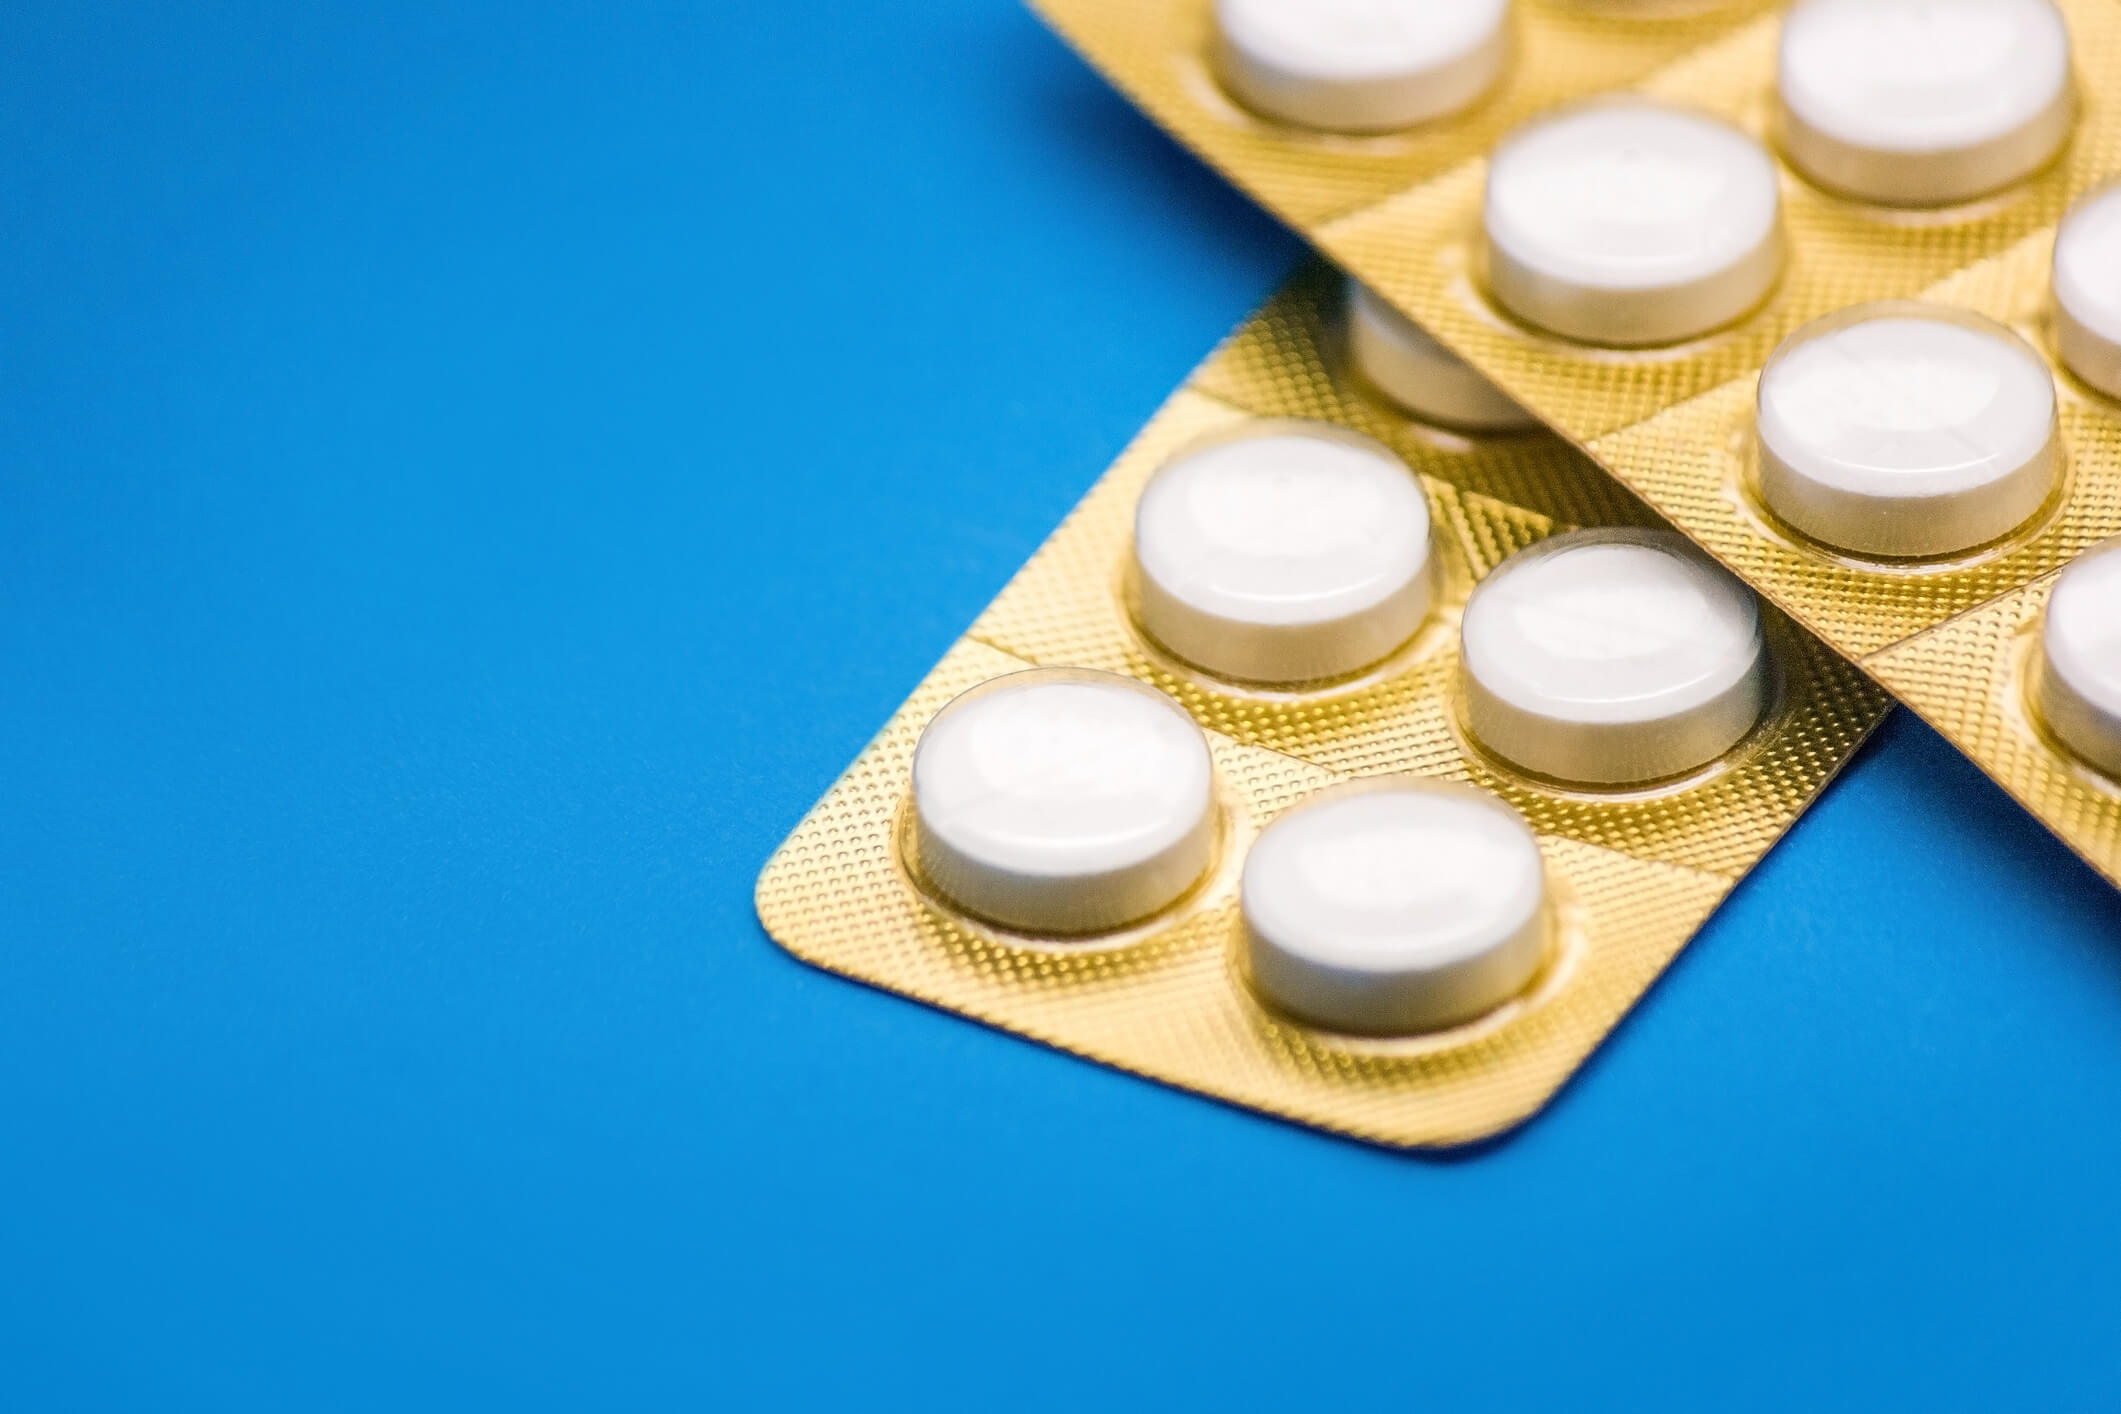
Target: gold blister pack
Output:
{"points": [[1633, 874], [1951, 638]]}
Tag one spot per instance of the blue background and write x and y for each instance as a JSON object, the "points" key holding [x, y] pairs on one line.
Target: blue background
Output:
{"points": [[472, 474]]}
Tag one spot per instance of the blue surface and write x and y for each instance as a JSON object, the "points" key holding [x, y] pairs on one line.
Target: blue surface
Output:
{"points": [[471, 475]]}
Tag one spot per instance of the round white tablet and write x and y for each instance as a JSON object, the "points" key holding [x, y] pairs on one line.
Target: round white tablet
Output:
{"points": [[1923, 102], [1360, 66], [2088, 289], [2079, 689], [1631, 223], [1612, 657], [1063, 801], [1421, 375], [1289, 555], [1906, 430], [1395, 906]]}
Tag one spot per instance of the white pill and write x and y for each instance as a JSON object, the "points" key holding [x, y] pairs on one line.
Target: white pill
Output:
{"points": [[1421, 375], [1923, 102], [1395, 906], [1612, 657], [2088, 289], [1904, 430], [1360, 66], [2079, 691], [1289, 555], [1630, 223], [1063, 801]]}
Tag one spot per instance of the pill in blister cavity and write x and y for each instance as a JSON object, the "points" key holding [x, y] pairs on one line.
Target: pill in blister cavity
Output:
{"points": [[1399, 358], [1293, 554], [1923, 102], [1904, 430], [1360, 66], [1631, 223], [2088, 290], [1394, 906], [2079, 692], [1063, 802], [1612, 657]]}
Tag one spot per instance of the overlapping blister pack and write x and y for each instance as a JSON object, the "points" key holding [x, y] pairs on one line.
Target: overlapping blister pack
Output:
{"points": [[1793, 279], [1169, 861]]}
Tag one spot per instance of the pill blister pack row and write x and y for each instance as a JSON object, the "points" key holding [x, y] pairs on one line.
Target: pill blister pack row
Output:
{"points": [[1837, 290], [1376, 101], [1319, 762]]}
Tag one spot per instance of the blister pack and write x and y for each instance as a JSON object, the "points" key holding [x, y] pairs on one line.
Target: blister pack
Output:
{"points": [[1325, 761], [1800, 287]]}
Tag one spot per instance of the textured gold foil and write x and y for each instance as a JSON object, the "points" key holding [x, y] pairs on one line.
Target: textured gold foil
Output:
{"points": [[1634, 873], [1157, 53], [1971, 679], [1675, 425]]}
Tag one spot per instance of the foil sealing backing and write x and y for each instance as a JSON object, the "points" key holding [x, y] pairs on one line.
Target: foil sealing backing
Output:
{"points": [[1675, 425], [1634, 873]]}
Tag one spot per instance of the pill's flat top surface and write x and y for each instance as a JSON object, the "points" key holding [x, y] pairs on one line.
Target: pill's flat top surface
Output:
{"points": [[1611, 632], [2088, 263], [1922, 75], [2083, 630], [1628, 195], [1394, 881], [1906, 407], [1284, 529], [1062, 778], [1353, 40]]}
